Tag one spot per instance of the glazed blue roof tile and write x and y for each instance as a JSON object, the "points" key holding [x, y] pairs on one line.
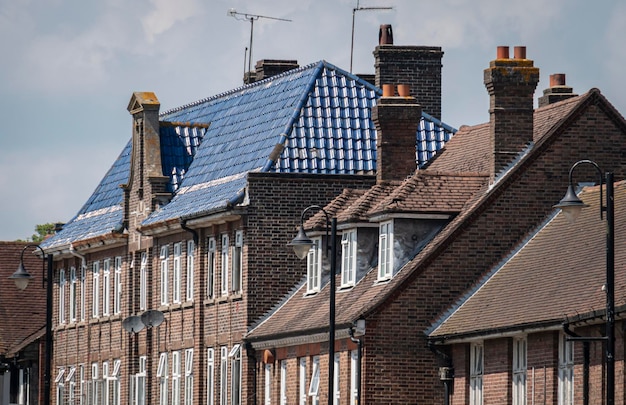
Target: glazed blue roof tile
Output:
{"points": [[319, 115]]}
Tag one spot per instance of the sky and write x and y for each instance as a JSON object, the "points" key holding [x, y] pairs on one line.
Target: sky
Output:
{"points": [[69, 67]]}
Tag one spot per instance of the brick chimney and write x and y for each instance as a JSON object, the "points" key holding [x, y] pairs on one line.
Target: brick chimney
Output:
{"points": [[557, 91], [396, 120], [147, 186], [511, 84], [269, 67], [417, 66]]}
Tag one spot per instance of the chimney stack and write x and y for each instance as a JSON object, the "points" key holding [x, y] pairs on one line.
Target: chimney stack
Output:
{"points": [[557, 91], [511, 85], [265, 68], [396, 120], [417, 66]]}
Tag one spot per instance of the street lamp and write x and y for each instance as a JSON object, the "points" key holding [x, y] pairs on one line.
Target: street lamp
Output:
{"points": [[571, 206], [21, 277], [301, 246]]}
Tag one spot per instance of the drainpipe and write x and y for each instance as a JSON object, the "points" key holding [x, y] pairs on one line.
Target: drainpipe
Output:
{"points": [[586, 361], [73, 252], [196, 238], [358, 363], [446, 372]]}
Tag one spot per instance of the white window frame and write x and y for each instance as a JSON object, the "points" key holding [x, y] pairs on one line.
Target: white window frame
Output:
{"points": [[477, 362], [176, 274], [210, 376], [162, 376], [95, 398], [143, 282], [191, 251], [71, 381], [354, 376], [164, 258], [106, 288], [188, 377], [519, 370], [139, 392], [115, 383], [314, 385], [211, 262], [348, 257], [117, 287], [82, 385], [223, 375], [302, 391], [73, 295], [236, 375], [83, 292], [176, 378], [566, 370], [385, 251], [224, 267], [95, 297], [283, 382], [237, 266], [314, 267], [267, 392], [105, 383], [60, 383], [62, 283], [336, 373]]}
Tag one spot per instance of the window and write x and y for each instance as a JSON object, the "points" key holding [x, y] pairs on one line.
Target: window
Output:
{"points": [[210, 377], [283, 382], [62, 296], [143, 282], [106, 288], [114, 384], [60, 387], [139, 388], [117, 286], [315, 381], [238, 262], [354, 376], [189, 377], [235, 369], [519, 371], [95, 397], [73, 295], [336, 387], [175, 378], [178, 247], [314, 266], [71, 382], [164, 276], [223, 375], [476, 373], [566, 371], [348, 258], [224, 264], [95, 301], [385, 251], [162, 376], [302, 389], [190, 264], [105, 386], [83, 384], [210, 278], [82, 292], [268, 384]]}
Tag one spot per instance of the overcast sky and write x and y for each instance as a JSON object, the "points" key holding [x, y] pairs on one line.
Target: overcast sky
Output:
{"points": [[69, 67]]}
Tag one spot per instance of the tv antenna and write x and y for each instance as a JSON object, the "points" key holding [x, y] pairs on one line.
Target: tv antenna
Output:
{"points": [[354, 10], [250, 17]]}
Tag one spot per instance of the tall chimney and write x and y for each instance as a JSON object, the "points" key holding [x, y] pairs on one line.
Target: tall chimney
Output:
{"points": [[417, 66], [396, 120], [557, 91], [511, 84]]}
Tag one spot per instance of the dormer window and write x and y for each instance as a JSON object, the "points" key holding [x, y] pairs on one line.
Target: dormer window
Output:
{"points": [[348, 258], [314, 266], [385, 251]]}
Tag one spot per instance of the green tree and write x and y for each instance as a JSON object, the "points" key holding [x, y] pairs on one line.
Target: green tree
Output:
{"points": [[42, 230]]}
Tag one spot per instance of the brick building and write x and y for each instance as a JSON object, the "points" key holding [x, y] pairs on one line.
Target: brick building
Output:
{"points": [[411, 248], [181, 247]]}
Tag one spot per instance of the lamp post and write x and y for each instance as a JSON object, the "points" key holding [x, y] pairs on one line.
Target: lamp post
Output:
{"points": [[301, 246], [21, 277], [571, 206]]}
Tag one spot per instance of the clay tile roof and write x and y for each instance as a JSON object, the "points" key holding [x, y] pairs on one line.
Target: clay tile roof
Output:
{"points": [[557, 274], [22, 313]]}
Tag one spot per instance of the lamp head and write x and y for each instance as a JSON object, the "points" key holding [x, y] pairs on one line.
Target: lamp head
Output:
{"points": [[571, 205], [301, 244], [21, 277]]}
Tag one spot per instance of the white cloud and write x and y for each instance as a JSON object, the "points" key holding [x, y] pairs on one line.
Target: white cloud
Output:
{"points": [[166, 14]]}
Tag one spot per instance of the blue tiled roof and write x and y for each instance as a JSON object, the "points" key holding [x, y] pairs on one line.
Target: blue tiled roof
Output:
{"points": [[315, 119]]}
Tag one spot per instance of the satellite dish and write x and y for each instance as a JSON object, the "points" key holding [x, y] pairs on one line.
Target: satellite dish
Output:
{"points": [[133, 324], [152, 318]]}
